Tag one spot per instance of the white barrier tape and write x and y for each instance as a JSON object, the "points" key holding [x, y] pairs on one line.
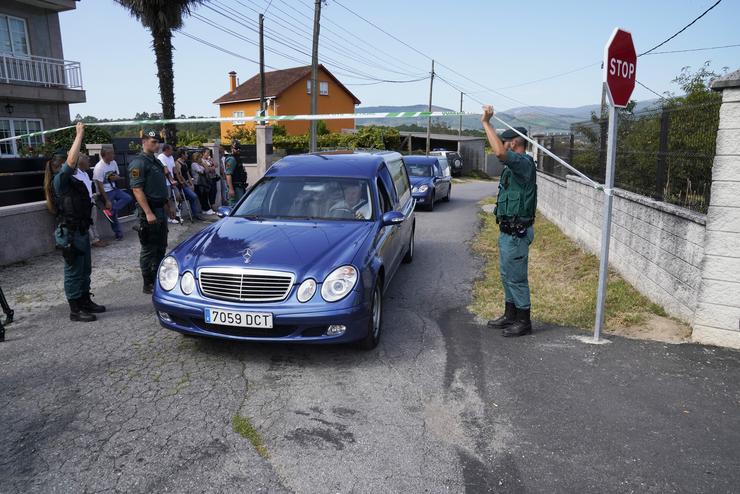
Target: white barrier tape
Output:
{"points": [[274, 118], [325, 116], [557, 158]]}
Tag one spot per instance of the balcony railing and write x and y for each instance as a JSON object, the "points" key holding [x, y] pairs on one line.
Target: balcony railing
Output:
{"points": [[34, 70]]}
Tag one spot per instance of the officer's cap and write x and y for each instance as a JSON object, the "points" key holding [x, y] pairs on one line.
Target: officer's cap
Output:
{"points": [[150, 134], [509, 134]]}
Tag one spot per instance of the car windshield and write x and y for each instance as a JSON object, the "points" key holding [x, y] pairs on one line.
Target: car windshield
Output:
{"points": [[420, 170], [313, 198]]}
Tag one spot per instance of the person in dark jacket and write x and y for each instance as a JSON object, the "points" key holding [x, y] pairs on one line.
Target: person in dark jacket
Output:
{"points": [[73, 208]]}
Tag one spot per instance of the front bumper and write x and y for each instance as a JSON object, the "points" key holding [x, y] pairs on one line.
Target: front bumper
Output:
{"points": [[304, 323], [422, 197]]}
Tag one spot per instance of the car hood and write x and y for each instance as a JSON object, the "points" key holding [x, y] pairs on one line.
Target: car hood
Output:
{"points": [[306, 248], [416, 181]]}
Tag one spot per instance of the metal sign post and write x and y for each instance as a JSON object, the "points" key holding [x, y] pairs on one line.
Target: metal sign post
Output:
{"points": [[620, 75], [606, 226]]}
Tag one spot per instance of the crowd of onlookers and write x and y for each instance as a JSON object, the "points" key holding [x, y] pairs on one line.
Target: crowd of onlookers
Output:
{"points": [[193, 176]]}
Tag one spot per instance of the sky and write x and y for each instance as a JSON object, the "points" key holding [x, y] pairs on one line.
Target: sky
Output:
{"points": [[493, 43]]}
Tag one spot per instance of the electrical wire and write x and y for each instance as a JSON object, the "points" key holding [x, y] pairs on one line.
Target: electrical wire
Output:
{"points": [[680, 30], [654, 92], [693, 49]]}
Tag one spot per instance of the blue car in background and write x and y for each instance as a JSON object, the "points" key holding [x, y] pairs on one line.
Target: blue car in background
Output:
{"points": [[429, 182], [305, 256]]}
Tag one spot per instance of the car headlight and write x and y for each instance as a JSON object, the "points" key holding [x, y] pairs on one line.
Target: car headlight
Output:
{"points": [[168, 273], [422, 188], [187, 283], [339, 283], [306, 290]]}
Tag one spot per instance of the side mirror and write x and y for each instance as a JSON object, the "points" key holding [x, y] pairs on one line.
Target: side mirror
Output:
{"points": [[393, 218], [223, 211]]}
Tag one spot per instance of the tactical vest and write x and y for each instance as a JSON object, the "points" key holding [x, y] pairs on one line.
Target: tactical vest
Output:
{"points": [[74, 208], [239, 176], [516, 202]]}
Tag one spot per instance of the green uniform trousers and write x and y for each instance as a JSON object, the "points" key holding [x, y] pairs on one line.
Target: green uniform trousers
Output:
{"points": [[77, 272], [153, 239], [238, 193], [514, 262]]}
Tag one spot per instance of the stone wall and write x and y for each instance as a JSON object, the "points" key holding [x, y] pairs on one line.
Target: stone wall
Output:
{"points": [[717, 319], [655, 246]]}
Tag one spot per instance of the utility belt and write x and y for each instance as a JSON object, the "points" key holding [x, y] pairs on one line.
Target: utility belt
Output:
{"points": [[514, 226]]}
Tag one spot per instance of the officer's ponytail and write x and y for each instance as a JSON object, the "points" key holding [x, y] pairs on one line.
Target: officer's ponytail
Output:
{"points": [[52, 166]]}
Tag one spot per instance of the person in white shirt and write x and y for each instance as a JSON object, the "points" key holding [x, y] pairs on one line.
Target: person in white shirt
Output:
{"points": [[106, 176]]}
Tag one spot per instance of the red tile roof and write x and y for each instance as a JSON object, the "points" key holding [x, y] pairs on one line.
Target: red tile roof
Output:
{"points": [[276, 82]]}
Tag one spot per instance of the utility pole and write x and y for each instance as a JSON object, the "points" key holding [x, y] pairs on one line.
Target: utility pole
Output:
{"points": [[429, 121], [459, 129], [262, 68], [315, 73]]}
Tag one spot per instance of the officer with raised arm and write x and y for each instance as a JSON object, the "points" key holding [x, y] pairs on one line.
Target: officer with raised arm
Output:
{"points": [[515, 211], [73, 208], [151, 189]]}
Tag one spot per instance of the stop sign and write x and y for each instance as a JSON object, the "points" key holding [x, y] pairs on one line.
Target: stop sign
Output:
{"points": [[620, 67]]}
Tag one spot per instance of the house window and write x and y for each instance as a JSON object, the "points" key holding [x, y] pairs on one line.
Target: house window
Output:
{"points": [[13, 36], [324, 88], [308, 86], [16, 127], [239, 114]]}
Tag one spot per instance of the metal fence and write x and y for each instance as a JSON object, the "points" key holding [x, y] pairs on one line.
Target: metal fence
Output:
{"points": [[666, 154]]}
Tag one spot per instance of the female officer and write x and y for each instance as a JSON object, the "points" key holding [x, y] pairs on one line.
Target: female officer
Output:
{"points": [[73, 207]]}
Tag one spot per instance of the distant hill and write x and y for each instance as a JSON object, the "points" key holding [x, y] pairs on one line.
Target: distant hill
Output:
{"points": [[535, 118]]}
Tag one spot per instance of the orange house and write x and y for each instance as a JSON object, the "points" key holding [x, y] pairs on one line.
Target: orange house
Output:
{"points": [[288, 92]]}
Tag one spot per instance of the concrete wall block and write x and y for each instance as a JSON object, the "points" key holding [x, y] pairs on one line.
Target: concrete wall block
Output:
{"points": [[720, 243], [729, 115], [720, 292], [728, 141], [723, 218], [730, 95], [712, 336], [722, 268], [726, 193], [717, 316], [726, 169]]}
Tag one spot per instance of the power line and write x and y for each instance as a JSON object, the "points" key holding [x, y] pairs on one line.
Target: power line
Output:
{"points": [[693, 49], [654, 92], [681, 30], [290, 46]]}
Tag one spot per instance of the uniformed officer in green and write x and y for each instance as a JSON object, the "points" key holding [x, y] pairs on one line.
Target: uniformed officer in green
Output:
{"points": [[72, 205], [236, 177], [516, 205], [150, 187]]}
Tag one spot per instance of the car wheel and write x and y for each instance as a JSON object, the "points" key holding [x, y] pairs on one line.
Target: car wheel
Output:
{"points": [[430, 206], [410, 252], [376, 321], [447, 197]]}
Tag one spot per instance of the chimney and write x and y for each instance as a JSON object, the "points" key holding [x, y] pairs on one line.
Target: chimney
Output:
{"points": [[232, 80]]}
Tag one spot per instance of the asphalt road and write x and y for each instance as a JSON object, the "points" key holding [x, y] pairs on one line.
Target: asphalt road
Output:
{"points": [[442, 405]]}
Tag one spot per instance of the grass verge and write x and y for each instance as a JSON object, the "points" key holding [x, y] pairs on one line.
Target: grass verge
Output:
{"points": [[563, 280], [243, 426]]}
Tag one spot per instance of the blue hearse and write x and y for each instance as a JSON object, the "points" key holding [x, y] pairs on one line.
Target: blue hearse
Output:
{"points": [[305, 256], [429, 182]]}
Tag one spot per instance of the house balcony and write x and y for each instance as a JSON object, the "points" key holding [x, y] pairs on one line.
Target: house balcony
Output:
{"points": [[30, 77]]}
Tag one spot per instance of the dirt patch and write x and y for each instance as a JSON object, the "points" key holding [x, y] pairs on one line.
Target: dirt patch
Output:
{"points": [[656, 328]]}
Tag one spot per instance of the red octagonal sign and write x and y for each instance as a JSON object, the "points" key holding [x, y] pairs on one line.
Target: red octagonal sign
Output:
{"points": [[620, 67]]}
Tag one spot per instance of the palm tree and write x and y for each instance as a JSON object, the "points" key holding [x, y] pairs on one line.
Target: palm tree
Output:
{"points": [[162, 17]]}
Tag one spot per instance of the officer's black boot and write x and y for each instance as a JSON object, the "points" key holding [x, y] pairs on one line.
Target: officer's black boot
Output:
{"points": [[148, 287], [506, 320], [522, 326], [88, 305], [76, 313]]}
